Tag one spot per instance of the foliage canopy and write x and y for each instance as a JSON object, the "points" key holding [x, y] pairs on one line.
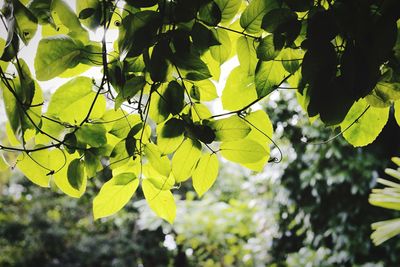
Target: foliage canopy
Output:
{"points": [[147, 117]]}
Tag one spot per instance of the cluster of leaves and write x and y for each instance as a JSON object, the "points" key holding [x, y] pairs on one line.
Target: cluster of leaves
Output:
{"points": [[157, 130]]}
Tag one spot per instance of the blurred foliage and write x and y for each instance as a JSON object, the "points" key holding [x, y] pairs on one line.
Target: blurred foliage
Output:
{"points": [[43, 228], [311, 209], [328, 186]]}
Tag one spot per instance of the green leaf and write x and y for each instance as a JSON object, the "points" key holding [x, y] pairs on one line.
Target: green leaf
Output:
{"points": [[194, 67], [185, 159], [243, 151], [291, 59], [137, 32], [205, 174], [204, 90], [230, 129], [210, 14], [55, 55], [92, 162], [170, 135], [246, 52], [71, 101], [277, 19], [86, 13], [222, 52], [160, 201], [26, 22], [61, 177], [76, 174], [261, 127], [172, 100], [269, 75], [299, 5], [203, 37], [270, 47], [365, 129], [92, 134], [239, 90], [160, 163], [156, 113], [158, 65], [68, 18], [252, 16], [90, 13], [115, 194], [202, 133], [228, 8], [397, 111], [158, 180], [384, 94], [123, 125], [17, 112], [41, 9], [39, 165], [119, 155], [261, 132], [141, 3]]}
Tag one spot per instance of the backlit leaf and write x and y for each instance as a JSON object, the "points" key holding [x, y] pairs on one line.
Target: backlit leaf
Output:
{"points": [[397, 111], [239, 90], [366, 128], [228, 8], [115, 194], [160, 201], [205, 174], [230, 129], [71, 102], [243, 151], [185, 159], [55, 55], [92, 134], [38, 166], [252, 16]]}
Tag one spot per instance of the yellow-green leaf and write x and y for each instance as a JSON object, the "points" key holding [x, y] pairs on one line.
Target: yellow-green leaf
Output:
{"points": [[114, 194], [38, 166], [160, 201], [246, 52], [158, 180], [397, 111], [61, 178], [204, 90], [363, 130], [71, 102], [160, 163], [230, 129], [239, 90], [243, 151], [252, 16], [185, 159], [205, 174]]}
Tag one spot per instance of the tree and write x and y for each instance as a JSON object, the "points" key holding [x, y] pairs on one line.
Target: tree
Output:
{"points": [[145, 117]]}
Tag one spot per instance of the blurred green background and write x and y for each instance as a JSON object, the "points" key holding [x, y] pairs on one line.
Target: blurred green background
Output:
{"points": [[311, 209]]}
